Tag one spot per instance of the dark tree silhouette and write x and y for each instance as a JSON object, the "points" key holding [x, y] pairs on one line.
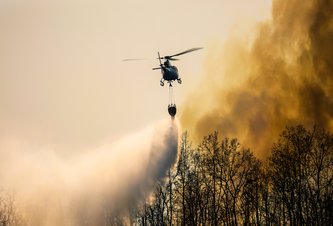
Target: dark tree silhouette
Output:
{"points": [[221, 183], [301, 168]]}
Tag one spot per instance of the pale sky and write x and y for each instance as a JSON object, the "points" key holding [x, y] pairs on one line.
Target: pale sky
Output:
{"points": [[62, 80]]}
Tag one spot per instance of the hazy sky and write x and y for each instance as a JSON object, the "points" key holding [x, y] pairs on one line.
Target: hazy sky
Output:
{"points": [[62, 80]]}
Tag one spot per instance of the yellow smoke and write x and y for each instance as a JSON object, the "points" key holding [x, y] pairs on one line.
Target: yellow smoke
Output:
{"points": [[253, 88]]}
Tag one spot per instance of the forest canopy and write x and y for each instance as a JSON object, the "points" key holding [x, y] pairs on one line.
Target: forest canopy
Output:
{"points": [[219, 182]]}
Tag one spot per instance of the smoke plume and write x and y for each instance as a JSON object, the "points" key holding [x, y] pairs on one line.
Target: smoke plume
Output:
{"points": [[101, 187], [283, 76]]}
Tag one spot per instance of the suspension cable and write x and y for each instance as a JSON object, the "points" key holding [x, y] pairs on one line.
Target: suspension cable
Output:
{"points": [[171, 95]]}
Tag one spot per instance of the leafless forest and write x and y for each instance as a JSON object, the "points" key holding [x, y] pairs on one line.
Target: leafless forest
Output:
{"points": [[221, 183]]}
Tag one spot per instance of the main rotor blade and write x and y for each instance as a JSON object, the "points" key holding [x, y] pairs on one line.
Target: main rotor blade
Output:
{"points": [[186, 51], [156, 68], [135, 59]]}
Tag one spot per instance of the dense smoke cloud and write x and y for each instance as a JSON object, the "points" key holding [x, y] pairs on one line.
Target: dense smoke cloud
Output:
{"points": [[101, 187], [283, 76]]}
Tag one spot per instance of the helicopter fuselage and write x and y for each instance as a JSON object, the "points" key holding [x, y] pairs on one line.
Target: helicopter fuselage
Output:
{"points": [[170, 73]]}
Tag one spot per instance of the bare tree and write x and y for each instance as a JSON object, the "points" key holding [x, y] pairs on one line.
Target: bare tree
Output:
{"points": [[9, 214], [301, 168], [221, 183]]}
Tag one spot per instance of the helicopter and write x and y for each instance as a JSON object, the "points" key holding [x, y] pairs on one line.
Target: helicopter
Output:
{"points": [[170, 72]]}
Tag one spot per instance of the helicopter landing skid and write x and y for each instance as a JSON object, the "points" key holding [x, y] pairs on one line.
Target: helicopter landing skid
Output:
{"points": [[162, 83], [179, 81]]}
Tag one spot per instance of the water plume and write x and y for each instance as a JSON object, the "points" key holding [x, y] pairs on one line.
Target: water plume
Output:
{"points": [[253, 88], [100, 187]]}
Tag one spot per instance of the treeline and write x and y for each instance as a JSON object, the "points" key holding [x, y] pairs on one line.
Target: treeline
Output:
{"points": [[220, 183]]}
